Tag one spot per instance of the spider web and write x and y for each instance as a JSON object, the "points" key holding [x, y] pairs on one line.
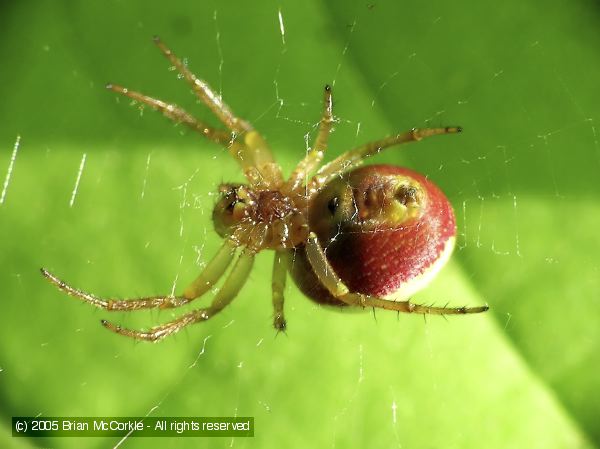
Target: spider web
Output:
{"points": [[353, 379]]}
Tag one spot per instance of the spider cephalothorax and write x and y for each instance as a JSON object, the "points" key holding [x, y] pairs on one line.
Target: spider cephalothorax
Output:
{"points": [[260, 218], [366, 237]]}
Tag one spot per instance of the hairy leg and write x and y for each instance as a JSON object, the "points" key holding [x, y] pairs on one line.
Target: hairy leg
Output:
{"points": [[175, 113], [251, 151], [205, 93], [233, 284], [355, 157], [209, 276], [315, 155]]}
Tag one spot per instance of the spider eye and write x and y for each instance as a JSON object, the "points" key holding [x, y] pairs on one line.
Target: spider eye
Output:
{"points": [[333, 204]]}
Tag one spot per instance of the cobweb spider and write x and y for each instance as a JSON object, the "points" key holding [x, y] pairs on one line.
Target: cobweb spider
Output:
{"points": [[362, 237]]}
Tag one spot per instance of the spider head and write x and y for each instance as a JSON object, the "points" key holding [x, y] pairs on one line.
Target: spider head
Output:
{"points": [[232, 207]]}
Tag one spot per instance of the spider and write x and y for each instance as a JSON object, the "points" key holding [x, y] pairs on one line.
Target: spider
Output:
{"points": [[357, 237]]}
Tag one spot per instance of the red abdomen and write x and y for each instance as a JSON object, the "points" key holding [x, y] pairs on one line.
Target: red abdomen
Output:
{"points": [[386, 232]]}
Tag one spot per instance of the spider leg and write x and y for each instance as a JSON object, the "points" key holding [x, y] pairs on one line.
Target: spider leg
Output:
{"points": [[245, 155], [315, 155], [278, 286], [254, 155], [209, 276], [234, 282], [336, 287], [355, 156], [212, 272], [205, 93], [175, 113]]}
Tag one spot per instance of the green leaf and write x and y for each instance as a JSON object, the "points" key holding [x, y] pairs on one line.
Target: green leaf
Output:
{"points": [[118, 203]]}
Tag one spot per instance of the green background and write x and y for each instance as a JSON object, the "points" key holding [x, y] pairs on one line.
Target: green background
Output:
{"points": [[520, 77]]}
